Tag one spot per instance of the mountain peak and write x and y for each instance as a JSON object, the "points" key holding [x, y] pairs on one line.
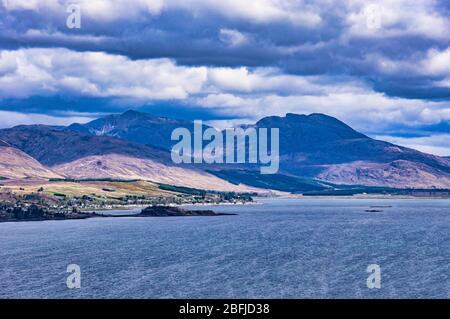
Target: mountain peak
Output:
{"points": [[134, 114], [322, 116], [300, 117], [134, 126], [310, 125], [312, 117]]}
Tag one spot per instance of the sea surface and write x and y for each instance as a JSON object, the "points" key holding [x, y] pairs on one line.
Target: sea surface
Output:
{"points": [[278, 248]]}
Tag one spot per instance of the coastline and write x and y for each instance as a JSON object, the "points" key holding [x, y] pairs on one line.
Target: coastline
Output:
{"points": [[104, 212], [295, 196]]}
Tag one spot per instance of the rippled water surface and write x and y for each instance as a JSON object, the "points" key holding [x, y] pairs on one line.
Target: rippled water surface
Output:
{"points": [[279, 248]]}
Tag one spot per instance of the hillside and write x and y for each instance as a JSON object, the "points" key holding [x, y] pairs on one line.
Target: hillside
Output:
{"points": [[128, 167], [16, 164], [320, 147], [53, 146], [77, 155], [314, 146], [135, 127]]}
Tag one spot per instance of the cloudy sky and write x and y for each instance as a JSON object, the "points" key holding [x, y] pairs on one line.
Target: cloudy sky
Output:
{"points": [[382, 67]]}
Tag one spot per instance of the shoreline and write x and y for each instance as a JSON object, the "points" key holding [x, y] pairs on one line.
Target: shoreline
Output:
{"points": [[146, 212], [103, 213], [295, 196]]}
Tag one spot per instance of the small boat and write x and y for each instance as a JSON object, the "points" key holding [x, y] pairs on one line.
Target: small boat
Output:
{"points": [[373, 211]]}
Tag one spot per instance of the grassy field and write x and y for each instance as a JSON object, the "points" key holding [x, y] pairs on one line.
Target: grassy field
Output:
{"points": [[105, 194], [84, 188]]}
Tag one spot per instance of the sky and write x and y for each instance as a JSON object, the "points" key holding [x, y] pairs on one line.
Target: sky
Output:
{"points": [[383, 67]]}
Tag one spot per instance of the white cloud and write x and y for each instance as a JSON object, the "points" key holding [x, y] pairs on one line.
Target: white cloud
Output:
{"points": [[296, 12], [437, 62], [12, 5], [232, 38], [28, 72], [388, 18], [239, 92], [263, 79], [443, 83], [396, 17], [100, 10], [433, 63], [366, 111], [224, 124], [46, 35]]}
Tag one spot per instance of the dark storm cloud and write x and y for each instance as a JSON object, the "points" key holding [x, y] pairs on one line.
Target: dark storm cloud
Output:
{"points": [[218, 59], [193, 38]]}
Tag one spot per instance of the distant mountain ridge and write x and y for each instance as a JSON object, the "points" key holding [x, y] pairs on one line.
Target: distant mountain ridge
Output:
{"points": [[312, 147], [325, 148], [135, 127], [79, 155], [322, 139], [52, 146]]}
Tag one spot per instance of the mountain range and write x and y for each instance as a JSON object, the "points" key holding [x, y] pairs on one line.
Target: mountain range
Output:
{"points": [[70, 154], [316, 151], [134, 126], [325, 148]]}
